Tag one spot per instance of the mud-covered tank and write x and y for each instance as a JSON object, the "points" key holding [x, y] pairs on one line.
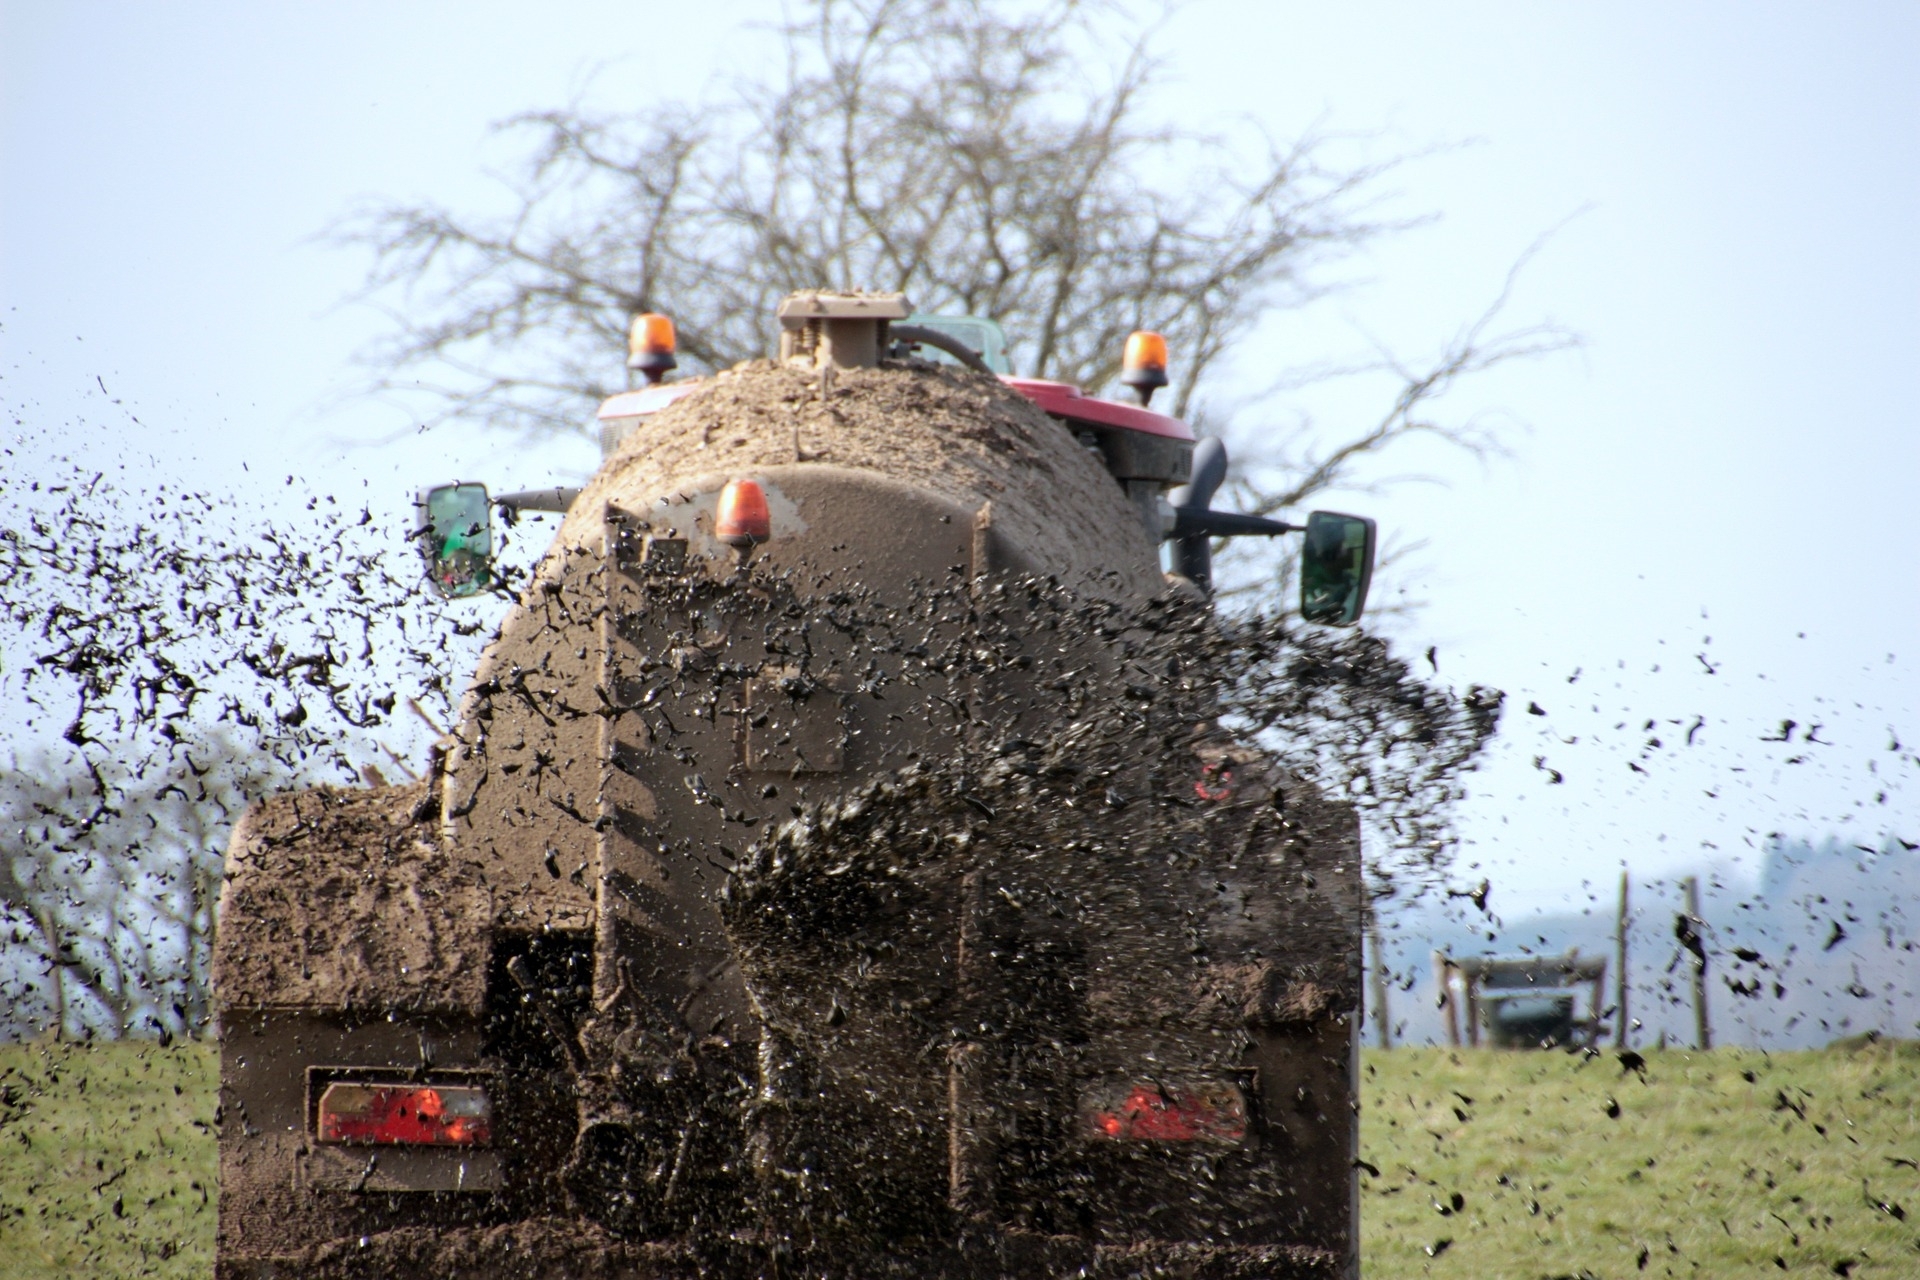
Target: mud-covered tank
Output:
{"points": [[837, 869]]}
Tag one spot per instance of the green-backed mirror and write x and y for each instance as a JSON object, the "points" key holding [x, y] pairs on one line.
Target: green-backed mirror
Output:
{"points": [[456, 536], [1336, 568]]}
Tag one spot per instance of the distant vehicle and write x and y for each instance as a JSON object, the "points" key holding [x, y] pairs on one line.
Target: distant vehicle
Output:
{"points": [[750, 923]]}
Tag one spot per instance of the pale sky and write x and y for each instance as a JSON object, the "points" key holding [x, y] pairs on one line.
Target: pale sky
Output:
{"points": [[1731, 455]]}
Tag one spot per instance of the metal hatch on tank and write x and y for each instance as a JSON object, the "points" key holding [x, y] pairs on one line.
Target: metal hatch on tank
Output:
{"points": [[814, 883]]}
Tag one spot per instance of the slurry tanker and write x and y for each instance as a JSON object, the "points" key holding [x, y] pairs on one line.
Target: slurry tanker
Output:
{"points": [[840, 866]]}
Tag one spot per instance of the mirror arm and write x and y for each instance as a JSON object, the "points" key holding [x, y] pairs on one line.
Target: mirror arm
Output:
{"points": [[1195, 528], [557, 499], [1191, 522]]}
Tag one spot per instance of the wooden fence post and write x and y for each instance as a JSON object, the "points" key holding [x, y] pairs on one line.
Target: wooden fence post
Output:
{"points": [[1443, 973], [1702, 1033], [1621, 1022], [1378, 980]]}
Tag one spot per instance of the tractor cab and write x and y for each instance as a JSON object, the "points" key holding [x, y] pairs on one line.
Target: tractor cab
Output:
{"points": [[982, 336]]}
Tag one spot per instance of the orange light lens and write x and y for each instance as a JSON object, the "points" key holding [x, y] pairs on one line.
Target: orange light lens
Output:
{"points": [[1145, 350], [651, 335], [741, 519]]}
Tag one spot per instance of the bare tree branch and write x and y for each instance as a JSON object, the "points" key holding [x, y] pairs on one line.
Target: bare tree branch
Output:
{"points": [[988, 157], [1276, 477], [979, 155], [108, 897]]}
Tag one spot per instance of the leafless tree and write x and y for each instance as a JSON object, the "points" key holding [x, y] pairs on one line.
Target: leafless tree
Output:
{"points": [[990, 157], [108, 886], [1283, 469], [197, 651]]}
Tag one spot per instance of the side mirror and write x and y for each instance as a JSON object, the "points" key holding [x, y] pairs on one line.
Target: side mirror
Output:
{"points": [[1336, 568], [456, 537]]}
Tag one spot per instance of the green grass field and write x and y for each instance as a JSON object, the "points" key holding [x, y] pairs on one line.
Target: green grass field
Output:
{"points": [[106, 1160], [1733, 1163]]}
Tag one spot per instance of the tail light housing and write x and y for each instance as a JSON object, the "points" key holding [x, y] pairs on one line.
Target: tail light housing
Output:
{"points": [[1209, 1111], [373, 1113], [1216, 781]]}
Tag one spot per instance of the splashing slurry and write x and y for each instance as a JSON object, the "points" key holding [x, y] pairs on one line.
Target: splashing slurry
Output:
{"points": [[931, 892], [916, 895]]}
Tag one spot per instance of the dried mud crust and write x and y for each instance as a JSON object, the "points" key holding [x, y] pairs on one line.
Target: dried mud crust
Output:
{"points": [[343, 899], [1070, 933], [536, 1249], [1275, 896], [569, 1249], [965, 436]]}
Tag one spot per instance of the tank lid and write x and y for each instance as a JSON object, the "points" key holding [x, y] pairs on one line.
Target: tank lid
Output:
{"points": [[798, 308]]}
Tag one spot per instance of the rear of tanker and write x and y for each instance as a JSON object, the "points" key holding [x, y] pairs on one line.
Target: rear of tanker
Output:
{"points": [[814, 884]]}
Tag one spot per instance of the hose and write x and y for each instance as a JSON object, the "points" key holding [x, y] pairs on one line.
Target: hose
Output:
{"points": [[921, 335]]}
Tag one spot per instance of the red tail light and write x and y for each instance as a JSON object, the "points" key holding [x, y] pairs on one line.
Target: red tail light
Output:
{"points": [[1216, 781], [741, 519], [394, 1114], [1202, 1112]]}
